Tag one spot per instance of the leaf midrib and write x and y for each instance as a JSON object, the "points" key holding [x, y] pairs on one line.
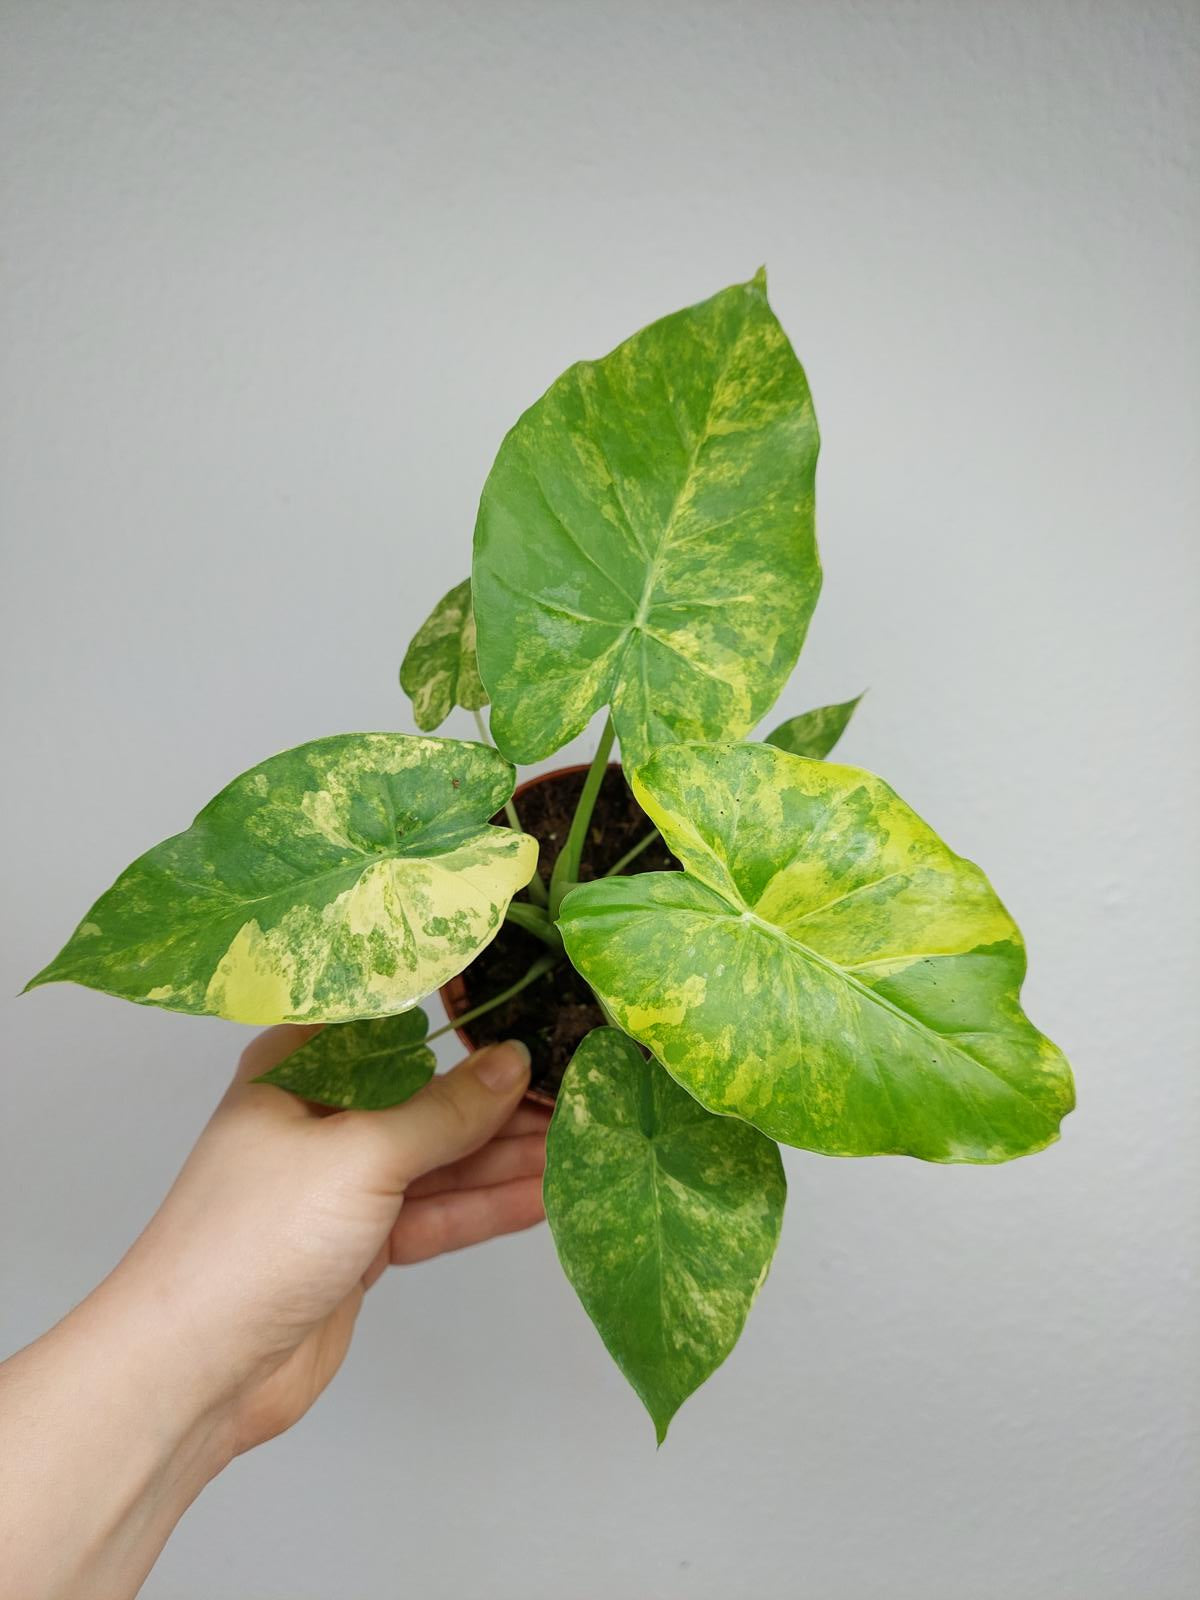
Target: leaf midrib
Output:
{"points": [[636, 629], [873, 997], [366, 859], [233, 907], [742, 912], [739, 912], [666, 539], [647, 1143], [396, 1052]]}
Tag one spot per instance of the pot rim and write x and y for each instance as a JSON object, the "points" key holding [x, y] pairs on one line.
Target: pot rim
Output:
{"points": [[453, 992]]}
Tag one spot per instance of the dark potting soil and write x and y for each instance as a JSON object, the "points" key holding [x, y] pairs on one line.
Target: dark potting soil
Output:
{"points": [[552, 1015]]}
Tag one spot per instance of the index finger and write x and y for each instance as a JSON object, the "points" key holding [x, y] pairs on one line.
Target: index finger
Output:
{"points": [[527, 1118]]}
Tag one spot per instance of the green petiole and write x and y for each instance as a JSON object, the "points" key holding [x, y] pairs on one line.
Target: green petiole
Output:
{"points": [[631, 855], [532, 919], [539, 968], [537, 889], [566, 868]]}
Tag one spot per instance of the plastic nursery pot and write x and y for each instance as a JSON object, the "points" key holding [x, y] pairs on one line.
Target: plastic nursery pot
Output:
{"points": [[454, 995]]}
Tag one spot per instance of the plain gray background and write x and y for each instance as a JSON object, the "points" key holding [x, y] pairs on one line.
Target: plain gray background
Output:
{"points": [[277, 278]]}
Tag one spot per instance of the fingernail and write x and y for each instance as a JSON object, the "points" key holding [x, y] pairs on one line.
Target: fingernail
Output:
{"points": [[504, 1066]]}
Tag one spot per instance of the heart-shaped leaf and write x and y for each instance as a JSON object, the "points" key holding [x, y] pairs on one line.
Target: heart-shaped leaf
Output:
{"points": [[825, 967], [665, 1217], [814, 733], [439, 670], [360, 1066], [645, 537], [343, 879]]}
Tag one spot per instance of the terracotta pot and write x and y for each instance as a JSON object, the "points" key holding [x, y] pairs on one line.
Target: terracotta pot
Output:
{"points": [[454, 994]]}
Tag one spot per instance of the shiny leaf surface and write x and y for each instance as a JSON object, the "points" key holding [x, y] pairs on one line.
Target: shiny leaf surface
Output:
{"points": [[343, 879], [439, 670], [645, 537], [825, 966], [665, 1217], [360, 1066]]}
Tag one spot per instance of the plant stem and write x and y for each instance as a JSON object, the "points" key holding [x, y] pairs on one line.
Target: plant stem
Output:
{"points": [[539, 968], [537, 889], [631, 855], [510, 810], [532, 919], [566, 868]]}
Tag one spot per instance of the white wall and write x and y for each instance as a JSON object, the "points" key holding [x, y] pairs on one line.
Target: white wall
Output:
{"points": [[277, 277]]}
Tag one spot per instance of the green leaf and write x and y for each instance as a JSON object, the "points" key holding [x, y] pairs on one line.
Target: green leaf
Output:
{"points": [[824, 967], [665, 1218], [439, 669], [645, 537], [343, 879], [360, 1066], [814, 733]]}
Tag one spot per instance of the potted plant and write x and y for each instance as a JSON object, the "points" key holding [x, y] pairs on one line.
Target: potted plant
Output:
{"points": [[713, 948]]}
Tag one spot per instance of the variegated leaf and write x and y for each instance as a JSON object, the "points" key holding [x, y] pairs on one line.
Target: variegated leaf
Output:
{"points": [[360, 1066], [814, 733], [439, 670], [665, 1217], [825, 966], [645, 537], [343, 879]]}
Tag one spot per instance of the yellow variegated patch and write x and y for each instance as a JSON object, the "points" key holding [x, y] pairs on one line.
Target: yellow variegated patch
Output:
{"points": [[825, 967], [344, 879], [439, 670], [645, 537], [665, 1217]]}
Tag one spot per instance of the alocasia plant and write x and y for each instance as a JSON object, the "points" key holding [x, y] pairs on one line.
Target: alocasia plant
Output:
{"points": [[823, 971]]}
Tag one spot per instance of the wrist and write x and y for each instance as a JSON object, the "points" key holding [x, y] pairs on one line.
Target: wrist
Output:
{"points": [[99, 1417], [141, 1349]]}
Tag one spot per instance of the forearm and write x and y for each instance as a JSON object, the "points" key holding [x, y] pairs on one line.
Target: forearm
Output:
{"points": [[104, 1443], [235, 1307]]}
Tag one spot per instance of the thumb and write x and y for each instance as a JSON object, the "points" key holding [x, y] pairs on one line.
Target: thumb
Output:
{"points": [[450, 1117]]}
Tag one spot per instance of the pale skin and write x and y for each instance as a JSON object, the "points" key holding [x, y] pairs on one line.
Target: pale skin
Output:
{"points": [[236, 1306]]}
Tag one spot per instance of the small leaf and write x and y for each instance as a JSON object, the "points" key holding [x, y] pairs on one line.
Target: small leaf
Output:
{"points": [[665, 1218], [439, 670], [645, 537], [346, 878], [814, 733], [360, 1066], [824, 967]]}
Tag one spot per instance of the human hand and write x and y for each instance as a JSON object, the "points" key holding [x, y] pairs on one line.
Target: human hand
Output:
{"points": [[236, 1306], [285, 1215]]}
